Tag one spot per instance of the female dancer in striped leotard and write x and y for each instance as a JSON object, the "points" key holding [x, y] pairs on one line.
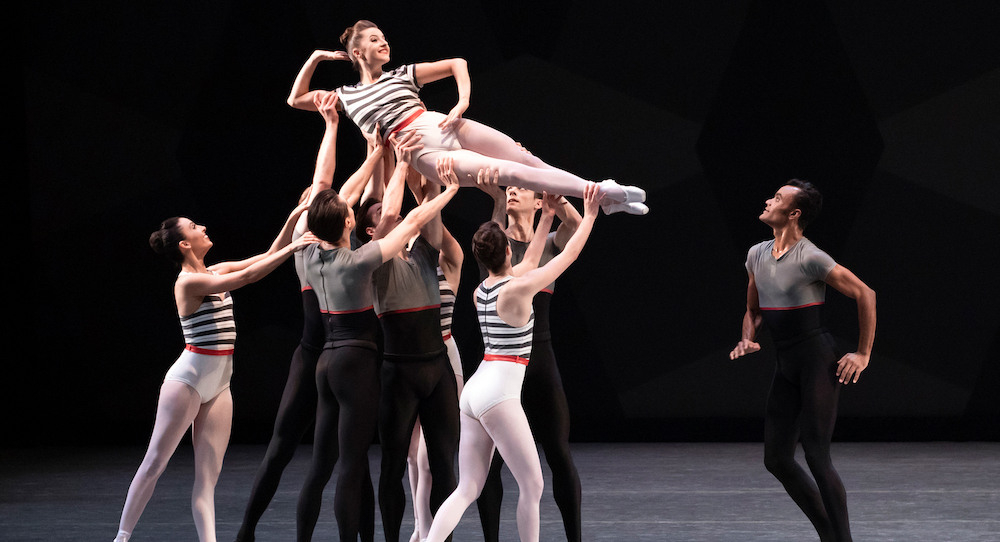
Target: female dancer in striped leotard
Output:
{"points": [[195, 392], [492, 416], [390, 100]]}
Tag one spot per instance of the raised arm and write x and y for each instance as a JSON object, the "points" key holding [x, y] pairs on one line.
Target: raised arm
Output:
{"points": [[428, 72], [283, 239], [353, 187], [395, 240], [300, 96], [326, 159], [392, 202], [850, 366], [569, 221], [489, 182], [752, 321], [190, 288], [533, 254], [534, 280]]}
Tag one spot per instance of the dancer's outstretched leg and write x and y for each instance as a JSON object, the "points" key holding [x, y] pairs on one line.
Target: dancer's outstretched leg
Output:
{"points": [[175, 411], [476, 147], [475, 450], [210, 438]]}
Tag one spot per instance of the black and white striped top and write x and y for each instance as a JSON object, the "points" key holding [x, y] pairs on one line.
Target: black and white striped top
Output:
{"points": [[447, 303], [212, 326], [388, 101], [501, 340]]}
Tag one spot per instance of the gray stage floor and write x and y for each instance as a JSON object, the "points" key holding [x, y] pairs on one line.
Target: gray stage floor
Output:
{"points": [[931, 492]]}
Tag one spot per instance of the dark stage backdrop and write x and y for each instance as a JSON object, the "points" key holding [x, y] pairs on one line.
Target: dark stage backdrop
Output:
{"points": [[136, 111]]}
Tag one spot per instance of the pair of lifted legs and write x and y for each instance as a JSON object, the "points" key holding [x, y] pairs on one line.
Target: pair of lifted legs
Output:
{"points": [[474, 146], [178, 408]]}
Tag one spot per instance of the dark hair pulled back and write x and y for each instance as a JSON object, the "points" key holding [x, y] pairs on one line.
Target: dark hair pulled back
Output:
{"points": [[166, 240], [489, 246]]}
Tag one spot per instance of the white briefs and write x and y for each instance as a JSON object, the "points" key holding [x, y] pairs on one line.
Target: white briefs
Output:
{"points": [[208, 374], [493, 383]]}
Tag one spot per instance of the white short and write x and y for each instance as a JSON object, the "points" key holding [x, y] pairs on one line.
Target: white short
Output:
{"points": [[431, 137], [493, 383], [208, 374]]}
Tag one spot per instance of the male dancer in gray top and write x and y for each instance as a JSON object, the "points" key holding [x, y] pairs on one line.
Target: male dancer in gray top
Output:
{"points": [[788, 278], [416, 374]]}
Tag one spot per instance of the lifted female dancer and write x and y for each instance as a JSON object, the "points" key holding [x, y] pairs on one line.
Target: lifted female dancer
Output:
{"points": [[390, 99], [787, 288], [195, 390], [492, 416]]}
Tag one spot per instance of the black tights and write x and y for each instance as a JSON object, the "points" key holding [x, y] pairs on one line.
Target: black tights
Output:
{"points": [[410, 388], [295, 414], [802, 407], [348, 383], [545, 405]]}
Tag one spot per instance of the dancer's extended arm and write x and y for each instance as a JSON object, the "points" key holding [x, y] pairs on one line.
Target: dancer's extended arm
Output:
{"points": [[395, 240], [752, 321], [326, 159], [392, 202], [514, 302], [282, 240], [844, 281], [197, 285], [533, 254], [569, 221]]}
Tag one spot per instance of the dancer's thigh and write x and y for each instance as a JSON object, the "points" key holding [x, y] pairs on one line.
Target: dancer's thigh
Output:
{"points": [[488, 141], [475, 450], [210, 433], [508, 427]]}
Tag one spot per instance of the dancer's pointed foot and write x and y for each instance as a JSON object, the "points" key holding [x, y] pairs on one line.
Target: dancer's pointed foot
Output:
{"points": [[632, 194], [630, 208]]}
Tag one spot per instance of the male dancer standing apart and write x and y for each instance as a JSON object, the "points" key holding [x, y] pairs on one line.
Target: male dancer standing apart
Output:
{"points": [[788, 278], [542, 394]]}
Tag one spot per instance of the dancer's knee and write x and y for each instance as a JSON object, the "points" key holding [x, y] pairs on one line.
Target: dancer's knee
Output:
{"points": [[531, 485], [778, 463]]}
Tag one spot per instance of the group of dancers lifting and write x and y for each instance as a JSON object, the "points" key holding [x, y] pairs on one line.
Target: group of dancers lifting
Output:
{"points": [[377, 356]]}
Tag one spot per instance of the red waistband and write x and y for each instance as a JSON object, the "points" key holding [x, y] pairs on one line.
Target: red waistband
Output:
{"points": [[414, 309], [791, 308], [406, 122], [208, 351], [512, 359], [368, 308]]}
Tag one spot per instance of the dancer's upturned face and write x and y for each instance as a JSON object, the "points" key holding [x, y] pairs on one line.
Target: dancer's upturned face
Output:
{"points": [[372, 47], [521, 200], [778, 207], [195, 235]]}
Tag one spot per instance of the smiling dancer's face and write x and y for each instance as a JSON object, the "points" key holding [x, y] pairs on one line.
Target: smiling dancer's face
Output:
{"points": [[372, 47]]}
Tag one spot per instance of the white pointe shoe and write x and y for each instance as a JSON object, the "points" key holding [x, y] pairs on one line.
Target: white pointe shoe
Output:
{"points": [[633, 194], [630, 208]]}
